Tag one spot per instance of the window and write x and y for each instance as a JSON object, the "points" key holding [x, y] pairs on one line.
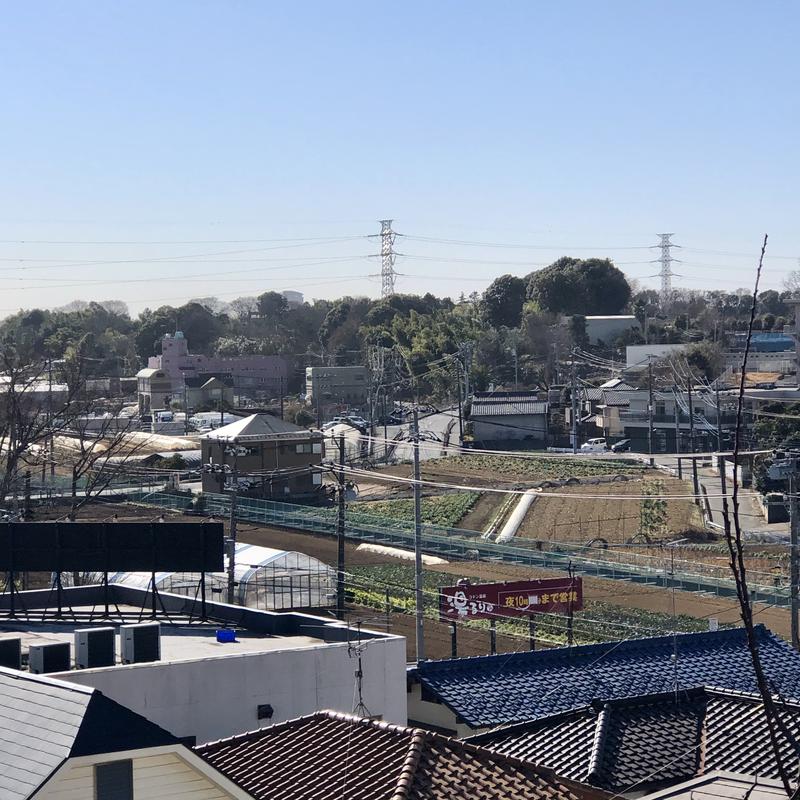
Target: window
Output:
{"points": [[303, 448], [114, 780]]}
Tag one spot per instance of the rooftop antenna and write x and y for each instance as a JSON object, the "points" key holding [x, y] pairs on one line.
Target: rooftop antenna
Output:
{"points": [[355, 651]]}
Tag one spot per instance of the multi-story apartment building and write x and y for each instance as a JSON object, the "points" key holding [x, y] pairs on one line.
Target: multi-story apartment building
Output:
{"points": [[346, 385], [255, 375]]}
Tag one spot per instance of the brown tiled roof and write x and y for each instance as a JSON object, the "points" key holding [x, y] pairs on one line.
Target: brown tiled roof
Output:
{"points": [[333, 755], [653, 740]]}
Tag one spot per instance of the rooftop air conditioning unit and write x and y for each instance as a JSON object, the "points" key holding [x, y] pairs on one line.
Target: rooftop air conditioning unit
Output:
{"points": [[94, 647], [11, 653], [140, 643], [53, 657]]}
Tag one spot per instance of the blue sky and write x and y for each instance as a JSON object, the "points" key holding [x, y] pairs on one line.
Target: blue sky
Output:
{"points": [[211, 133]]}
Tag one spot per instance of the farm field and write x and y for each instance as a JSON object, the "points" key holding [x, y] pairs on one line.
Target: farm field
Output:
{"points": [[628, 603], [446, 510], [562, 519], [533, 468]]}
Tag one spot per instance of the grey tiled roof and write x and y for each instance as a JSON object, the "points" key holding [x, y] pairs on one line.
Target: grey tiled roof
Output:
{"points": [[496, 690], [45, 721], [505, 408], [332, 755], [654, 740]]}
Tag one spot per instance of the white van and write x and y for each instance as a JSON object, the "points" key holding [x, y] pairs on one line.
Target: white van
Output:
{"points": [[594, 446]]}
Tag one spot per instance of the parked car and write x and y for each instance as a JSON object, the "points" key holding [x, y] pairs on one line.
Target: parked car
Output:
{"points": [[594, 446], [622, 446]]}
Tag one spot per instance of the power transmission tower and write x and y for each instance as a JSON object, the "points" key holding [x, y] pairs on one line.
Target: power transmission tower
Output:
{"points": [[387, 258], [666, 268]]}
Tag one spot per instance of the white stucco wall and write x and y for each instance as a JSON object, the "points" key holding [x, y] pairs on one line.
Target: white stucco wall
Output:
{"points": [[217, 697]]}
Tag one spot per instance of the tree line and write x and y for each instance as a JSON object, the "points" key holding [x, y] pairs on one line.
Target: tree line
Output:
{"points": [[530, 322]]}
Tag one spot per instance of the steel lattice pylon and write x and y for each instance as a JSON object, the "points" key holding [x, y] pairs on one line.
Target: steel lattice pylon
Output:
{"points": [[387, 258]]}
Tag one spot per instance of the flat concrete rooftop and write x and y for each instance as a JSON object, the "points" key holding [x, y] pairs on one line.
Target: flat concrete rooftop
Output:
{"points": [[179, 642]]}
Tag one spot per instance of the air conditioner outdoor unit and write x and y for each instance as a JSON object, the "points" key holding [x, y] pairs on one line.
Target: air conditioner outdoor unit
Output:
{"points": [[11, 653], [94, 647], [53, 657], [140, 643]]}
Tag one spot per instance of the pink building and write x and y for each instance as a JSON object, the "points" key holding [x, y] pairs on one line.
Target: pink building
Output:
{"points": [[250, 374]]}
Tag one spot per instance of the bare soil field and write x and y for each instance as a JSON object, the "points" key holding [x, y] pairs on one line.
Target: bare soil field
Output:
{"points": [[563, 519], [618, 593]]}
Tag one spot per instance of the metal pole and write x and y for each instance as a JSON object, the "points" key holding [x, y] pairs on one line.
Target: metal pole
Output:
{"points": [[695, 480], [677, 426], [232, 529], [340, 517], [492, 636], [650, 410], [720, 459], [420, 598], [460, 406], [794, 559], [574, 398], [281, 395]]}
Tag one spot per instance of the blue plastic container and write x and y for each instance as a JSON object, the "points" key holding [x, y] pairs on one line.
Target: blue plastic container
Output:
{"points": [[226, 635]]}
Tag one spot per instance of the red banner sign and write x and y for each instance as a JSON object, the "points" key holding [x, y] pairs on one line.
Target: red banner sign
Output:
{"points": [[514, 599]]}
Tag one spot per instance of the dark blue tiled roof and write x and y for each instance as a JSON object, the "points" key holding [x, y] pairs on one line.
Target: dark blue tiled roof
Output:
{"points": [[494, 690]]}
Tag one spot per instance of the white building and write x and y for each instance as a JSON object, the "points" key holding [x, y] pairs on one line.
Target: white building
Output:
{"points": [[281, 666]]}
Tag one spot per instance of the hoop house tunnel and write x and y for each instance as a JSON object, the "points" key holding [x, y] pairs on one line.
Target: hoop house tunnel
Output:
{"points": [[267, 579]]}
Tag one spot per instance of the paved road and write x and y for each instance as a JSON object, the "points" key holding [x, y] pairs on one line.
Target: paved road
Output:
{"points": [[751, 517]]}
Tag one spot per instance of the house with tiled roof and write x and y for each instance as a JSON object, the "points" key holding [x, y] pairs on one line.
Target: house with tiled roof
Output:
{"points": [[462, 696], [646, 743], [332, 755], [59, 740], [508, 416]]}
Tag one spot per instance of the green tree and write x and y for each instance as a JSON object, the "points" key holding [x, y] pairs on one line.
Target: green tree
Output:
{"points": [[575, 286], [502, 301]]}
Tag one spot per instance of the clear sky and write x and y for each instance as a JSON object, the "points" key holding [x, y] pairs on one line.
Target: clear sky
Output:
{"points": [[210, 133]]}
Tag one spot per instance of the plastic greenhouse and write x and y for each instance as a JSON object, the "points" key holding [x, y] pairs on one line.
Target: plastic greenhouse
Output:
{"points": [[267, 579]]}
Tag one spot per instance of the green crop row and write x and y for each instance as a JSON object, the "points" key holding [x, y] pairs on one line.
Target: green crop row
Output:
{"points": [[445, 510], [373, 586], [539, 468]]}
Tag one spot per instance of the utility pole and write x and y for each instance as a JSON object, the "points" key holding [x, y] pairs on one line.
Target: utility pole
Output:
{"points": [[49, 414], [420, 597], [720, 459], [387, 258], [460, 405], [695, 480], [785, 466], [340, 534], [232, 525], [574, 399], [280, 395], [794, 557], [650, 410]]}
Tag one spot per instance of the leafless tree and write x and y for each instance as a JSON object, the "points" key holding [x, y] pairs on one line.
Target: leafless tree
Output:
{"points": [[33, 408], [97, 450]]}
